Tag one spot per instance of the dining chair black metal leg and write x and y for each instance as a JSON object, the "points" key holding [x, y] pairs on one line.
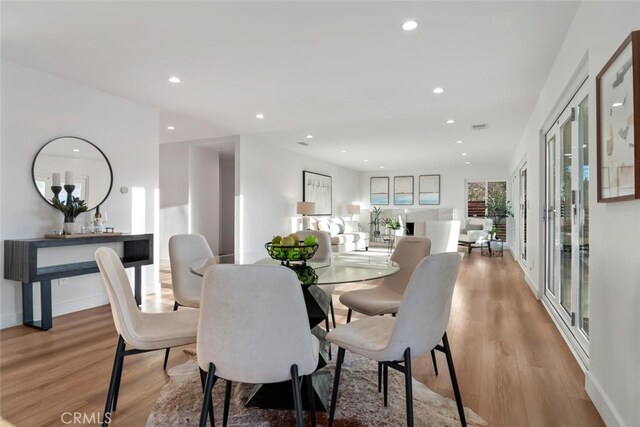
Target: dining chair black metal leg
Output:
{"points": [[433, 359], [166, 354], [333, 313], [385, 381], [408, 386], [326, 323], [227, 399], [207, 406], [118, 380], [311, 399], [297, 397], [454, 380], [349, 316], [379, 377], [336, 381], [203, 380], [113, 383]]}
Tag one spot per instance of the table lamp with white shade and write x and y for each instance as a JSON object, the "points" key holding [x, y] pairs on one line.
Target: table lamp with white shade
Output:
{"points": [[353, 210], [305, 209]]}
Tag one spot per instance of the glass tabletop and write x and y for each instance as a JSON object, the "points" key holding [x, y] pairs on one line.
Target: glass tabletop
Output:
{"points": [[343, 268]]}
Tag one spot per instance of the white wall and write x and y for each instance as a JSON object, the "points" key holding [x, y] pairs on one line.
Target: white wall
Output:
{"points": [[613, 379], [204, 194], [452, 185], [174, 194], [37, 107], [270, 184], [227, 211], [191, 193]]}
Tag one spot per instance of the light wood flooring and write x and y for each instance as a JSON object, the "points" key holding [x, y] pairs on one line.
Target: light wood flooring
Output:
{"points": [[513, 366]]}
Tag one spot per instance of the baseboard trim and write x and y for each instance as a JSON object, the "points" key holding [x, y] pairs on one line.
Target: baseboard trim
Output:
{"points": [[602, 403], [528, 279]]}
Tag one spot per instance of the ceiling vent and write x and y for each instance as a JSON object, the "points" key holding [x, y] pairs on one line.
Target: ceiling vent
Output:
{"points": [[481, 126], [303, 143]]}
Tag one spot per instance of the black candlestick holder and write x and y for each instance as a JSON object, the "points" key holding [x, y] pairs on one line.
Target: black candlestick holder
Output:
{"points": [[69, 189], [56, 189]]}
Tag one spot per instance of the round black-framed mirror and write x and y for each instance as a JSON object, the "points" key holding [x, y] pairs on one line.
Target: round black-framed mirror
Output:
{"points": [[89, 168]]}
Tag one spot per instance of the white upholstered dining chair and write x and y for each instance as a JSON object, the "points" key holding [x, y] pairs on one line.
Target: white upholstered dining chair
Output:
{"points": [[184, 250], [418, 328], [254, 328], [137, 330], [385, 298], [322, 254]]}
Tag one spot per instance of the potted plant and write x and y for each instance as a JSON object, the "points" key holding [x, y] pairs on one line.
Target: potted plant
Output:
{"points": [[71, 208], [498, 208], [392, 223], [374, 220]]}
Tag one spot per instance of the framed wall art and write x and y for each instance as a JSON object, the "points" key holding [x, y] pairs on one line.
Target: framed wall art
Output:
{"points": [[617, 123], [317, 188], [429, 190], [403, 190], [379, 190]]}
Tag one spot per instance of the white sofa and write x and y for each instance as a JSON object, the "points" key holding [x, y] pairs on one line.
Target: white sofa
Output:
{"points": [[346, 235], [474, 230]]}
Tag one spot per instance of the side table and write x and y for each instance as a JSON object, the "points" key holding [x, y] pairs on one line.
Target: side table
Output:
{"points": [[493, 248]]}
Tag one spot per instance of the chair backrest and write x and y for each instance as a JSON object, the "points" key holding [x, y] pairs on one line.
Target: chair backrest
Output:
{"points": [[324, 244], [409, 251], [253, 324], [444, 236], [123, 304], [184, 250], [426, 305]]}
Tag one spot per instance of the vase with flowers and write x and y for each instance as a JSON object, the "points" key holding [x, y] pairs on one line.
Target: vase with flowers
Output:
{"points": [[70, 208]]}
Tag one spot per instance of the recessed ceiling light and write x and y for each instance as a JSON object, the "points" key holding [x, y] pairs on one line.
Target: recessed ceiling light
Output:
{"points": [[259, 116], [309, 136], [617, 104], [459, 141], [410, 25], [467, 163], [381, 167], [365, 160], [174, 79], [450, 121], [171, 127], [76, 150], [464, 154], [344, 151], [584, 145], [438, 90]]}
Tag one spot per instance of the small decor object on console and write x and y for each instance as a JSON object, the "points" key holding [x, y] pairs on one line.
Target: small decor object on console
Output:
{"points": [[71, 208]]}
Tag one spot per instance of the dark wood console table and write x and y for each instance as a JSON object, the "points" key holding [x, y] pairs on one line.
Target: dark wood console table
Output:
{"points": [[21, 264]]}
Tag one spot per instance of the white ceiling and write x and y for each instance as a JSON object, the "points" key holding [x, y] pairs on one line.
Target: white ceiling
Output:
{"points": [[343, 71]]}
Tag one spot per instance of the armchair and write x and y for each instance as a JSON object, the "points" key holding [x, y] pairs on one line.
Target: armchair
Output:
{"points": [[475, 229]]}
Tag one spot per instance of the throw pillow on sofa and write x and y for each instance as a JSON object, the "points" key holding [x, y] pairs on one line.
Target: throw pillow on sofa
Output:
{"points": [[351, 227]]}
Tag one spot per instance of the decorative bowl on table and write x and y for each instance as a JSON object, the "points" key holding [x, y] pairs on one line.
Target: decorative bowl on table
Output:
{"points": [[290, 253]]}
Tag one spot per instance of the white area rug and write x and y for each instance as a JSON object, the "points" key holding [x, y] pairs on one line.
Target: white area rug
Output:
{"points": [[359, 403]]}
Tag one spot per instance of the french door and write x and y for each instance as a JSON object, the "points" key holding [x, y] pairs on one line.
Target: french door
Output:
{"points": [[522, 229], [567, 218]]}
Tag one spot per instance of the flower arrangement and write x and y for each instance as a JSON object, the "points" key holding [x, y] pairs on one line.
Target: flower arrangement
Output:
{"points": [[71, 208]]}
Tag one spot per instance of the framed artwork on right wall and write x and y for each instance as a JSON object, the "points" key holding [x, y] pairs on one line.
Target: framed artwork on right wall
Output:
{"points": [[617, 123], [429, 190]]}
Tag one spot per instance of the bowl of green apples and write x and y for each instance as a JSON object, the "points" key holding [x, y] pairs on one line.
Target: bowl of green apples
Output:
{"points": [[291, 248]]}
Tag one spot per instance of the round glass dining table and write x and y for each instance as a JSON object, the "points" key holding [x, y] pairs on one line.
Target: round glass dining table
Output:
{"points": [[341, 268]]}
